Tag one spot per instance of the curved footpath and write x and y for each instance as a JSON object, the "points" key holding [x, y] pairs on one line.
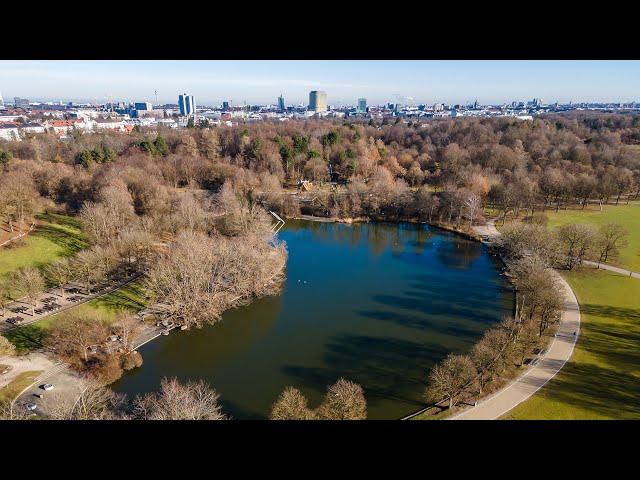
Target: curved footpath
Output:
{"points": [[544, 369]]}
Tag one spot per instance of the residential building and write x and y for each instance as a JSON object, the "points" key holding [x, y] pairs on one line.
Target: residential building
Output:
{"points": [[9, 131], [187, 105], [318, 101], [32, 127]]}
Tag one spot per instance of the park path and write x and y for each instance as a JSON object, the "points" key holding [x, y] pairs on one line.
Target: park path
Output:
{"points": [[621, 271], [547, 366]]}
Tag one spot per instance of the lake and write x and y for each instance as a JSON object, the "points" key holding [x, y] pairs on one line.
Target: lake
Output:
{"points": [[375, 303]]}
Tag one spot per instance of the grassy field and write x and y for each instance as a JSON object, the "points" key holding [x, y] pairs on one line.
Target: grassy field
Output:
{"points": [[22, 381], [128, 298], [626, 215], [56, 236], [601, 379]]}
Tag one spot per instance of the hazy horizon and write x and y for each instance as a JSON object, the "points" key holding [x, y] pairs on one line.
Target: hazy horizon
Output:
{"points": [[215, 81]]}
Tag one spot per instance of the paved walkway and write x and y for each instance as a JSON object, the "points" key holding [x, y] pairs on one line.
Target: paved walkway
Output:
{"points": [[621, 271], [544, 370]]}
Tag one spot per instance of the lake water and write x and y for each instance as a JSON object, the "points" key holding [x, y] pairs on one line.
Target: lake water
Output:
{"points": [[376, 303]]}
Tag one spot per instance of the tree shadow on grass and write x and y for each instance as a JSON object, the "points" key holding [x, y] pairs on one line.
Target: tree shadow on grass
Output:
{"points": [[609, 393], [130, 297], [608, 381], [27, 338], [71, 243]]}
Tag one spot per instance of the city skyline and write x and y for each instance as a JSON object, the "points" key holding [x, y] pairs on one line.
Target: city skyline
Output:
{"points": [[212, 82]]}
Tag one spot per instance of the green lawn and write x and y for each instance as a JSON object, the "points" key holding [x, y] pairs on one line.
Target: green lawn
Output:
{"points": [[22, 381], [56, 236], [128, 298], [602, 378], [626, 215]]}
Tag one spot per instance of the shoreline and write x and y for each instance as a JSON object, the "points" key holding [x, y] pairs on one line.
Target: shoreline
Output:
{"points": [[151, 332]]}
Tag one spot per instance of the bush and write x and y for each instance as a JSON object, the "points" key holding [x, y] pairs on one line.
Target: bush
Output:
{"points": [[131, 360]]}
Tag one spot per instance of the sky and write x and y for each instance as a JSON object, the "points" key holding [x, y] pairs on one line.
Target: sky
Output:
{"points": [[214, 81]]}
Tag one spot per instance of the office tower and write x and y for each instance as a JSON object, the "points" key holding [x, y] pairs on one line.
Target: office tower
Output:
{"points": [[225, 106], [1, 102], [318, 101], [362, 105], [143, 106], [281, 103], [187, 104], [21, 102]]}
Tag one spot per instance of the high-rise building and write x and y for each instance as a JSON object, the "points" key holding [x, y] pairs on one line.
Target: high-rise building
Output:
{"points": [[362, 105], [281, 103], [225, 106], [21, 102], [318, 101], [187, 104], [1, 102], [143, 106]]}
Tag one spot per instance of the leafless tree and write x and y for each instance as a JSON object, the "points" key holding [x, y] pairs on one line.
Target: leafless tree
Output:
{"points": [[5, 296], [29, 283], [472, 202], [96, 402], [59, 273], [611, 237], [200, 276], [291, 405], [451, 378], [18, 197], [344, 401], [576, 240], [127, 328], [177, 401], [71, 336]]}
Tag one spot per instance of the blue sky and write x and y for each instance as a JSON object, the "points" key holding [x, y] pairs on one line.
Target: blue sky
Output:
{"points": [[344, 81]]}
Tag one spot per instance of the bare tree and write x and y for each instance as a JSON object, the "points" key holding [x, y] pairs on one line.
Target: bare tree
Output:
{"points": [[127, 328], [344, 401], [73, 334], [200, 276], [611, 237], [96, 402], [177, 401], [59, 273], [576, 240], [18, 197], [451, 378], [472, 202], [291, 405], [30, 284], [5, 296]]}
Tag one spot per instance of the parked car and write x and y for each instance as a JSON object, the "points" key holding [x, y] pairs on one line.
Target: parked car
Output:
{"points": [[38, 395], [47, 386], [31, 407]]}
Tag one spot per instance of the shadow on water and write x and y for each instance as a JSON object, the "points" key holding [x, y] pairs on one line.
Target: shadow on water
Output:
{"points": [[386, 367]]}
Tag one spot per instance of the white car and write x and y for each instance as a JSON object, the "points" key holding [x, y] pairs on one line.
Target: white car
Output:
{"points": [[31, 407], [47, 386]]}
